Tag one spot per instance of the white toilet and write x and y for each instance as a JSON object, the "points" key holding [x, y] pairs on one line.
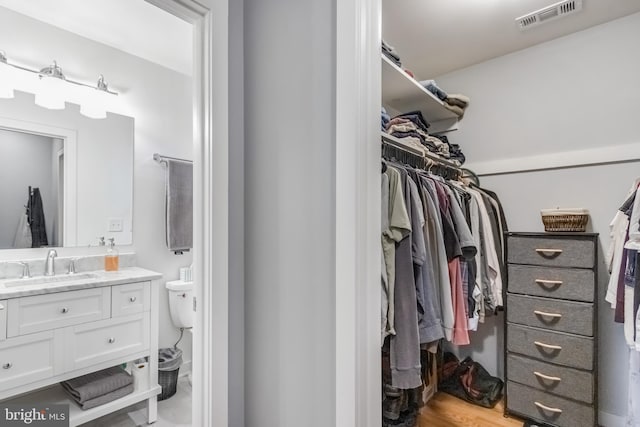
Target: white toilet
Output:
{"points": [[181, 305]]}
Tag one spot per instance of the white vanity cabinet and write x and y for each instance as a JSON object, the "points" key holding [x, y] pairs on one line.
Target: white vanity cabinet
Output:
{"points": [[60, 332]]}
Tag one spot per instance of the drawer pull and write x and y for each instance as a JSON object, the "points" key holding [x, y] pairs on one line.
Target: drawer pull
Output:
{"points": [[549, 346], [547, 408], [547, 377], [545, 314], [64, 310], [548, 252], [7, 365], [1, 306], [112, 340], [132, 299], [548, 282]]}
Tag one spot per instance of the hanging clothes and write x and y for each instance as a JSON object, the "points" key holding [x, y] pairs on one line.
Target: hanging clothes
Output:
{"points": [[37, 220]]}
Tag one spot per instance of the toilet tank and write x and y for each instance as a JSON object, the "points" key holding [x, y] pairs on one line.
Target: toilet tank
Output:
{"points": [[181, 303]]}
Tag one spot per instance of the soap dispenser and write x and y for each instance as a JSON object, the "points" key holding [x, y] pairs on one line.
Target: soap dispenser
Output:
{"points": [[111, 259]]}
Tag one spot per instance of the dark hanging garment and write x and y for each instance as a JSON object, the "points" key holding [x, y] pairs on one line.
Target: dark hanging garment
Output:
{"points": [[36, 220]]}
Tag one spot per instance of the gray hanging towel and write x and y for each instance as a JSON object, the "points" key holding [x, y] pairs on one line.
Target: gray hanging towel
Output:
{"points": [[179, 205]]}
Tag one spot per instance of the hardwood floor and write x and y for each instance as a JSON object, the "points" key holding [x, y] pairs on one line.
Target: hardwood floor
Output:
{"points": [[444, 410]]}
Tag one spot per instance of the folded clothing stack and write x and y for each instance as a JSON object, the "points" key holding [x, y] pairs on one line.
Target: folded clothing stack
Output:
{"points": [[390, 52], [432, 87], [98, 388], [384, 119], [412, 129], [457, 103]]}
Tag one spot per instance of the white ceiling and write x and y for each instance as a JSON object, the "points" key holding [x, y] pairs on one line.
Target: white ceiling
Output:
{"points": [[434, 37], [133, 26]]}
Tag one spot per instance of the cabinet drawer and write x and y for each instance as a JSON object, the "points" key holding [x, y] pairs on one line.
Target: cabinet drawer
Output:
{"points": [[555, 347], [101, 341], [30, 358], [130, 299], [548, 408], [557, 315], [45, 312], [559, 380], [565, 283], [567, 251], [3, 320]]}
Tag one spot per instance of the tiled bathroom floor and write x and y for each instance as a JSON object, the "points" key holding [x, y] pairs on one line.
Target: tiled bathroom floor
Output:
{"points": [[172, 412]]}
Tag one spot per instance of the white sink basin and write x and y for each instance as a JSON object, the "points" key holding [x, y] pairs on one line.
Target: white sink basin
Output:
{"points": [[43, 280]]}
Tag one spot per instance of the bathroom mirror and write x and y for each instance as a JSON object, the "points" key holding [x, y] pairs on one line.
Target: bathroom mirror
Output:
{"points": [[82, 169]]}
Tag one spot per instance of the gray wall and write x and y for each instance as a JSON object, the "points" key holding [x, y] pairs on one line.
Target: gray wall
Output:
{"points": [[576, 92], [289, 220]]}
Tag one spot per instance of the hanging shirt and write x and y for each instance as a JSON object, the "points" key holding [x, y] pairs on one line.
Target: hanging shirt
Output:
{"points": [[399, 228], [436, 243], [405, 346]]}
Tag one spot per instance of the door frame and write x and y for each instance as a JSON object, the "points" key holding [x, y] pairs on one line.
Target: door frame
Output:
{"points": [[358, 211], [210, 405]]}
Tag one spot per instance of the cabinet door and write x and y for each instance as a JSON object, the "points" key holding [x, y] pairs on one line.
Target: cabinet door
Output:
{"points": [[57, 310], [29, 358], [105, 340]]}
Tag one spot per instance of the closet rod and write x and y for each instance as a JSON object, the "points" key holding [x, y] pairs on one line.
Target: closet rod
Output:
{"points": [[163, 159], [395, 142]]}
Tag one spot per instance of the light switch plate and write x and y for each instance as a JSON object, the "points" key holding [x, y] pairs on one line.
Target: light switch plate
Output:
{"points": [[115, 225]]}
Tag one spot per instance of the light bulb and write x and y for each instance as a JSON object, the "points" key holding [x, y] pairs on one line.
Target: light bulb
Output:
{"points": [[94, 106], [50, 93]]}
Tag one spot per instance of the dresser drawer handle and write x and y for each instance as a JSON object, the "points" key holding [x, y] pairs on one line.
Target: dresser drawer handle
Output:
{"points": [[548, 282], [132, 299], [547, 408], [112, 340], [64, 310], [548, 252], [549, 346], [7, 365], [1, 306], [546, 377], [545, 314]]}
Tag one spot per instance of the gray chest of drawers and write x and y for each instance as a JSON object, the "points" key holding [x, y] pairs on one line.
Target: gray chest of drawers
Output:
{"points": [[551, 328]]}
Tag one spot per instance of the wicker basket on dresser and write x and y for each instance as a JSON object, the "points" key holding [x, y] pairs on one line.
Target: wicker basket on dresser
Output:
{"points": [[551, 328]]}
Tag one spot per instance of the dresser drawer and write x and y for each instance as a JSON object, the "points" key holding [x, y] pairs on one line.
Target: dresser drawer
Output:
{"points": [[564, 283], [101, 341], [557, 315], [560, 380], [548, 408], [50, 311], [555, 347], [567, 251], [30, 358], [130, 299], [3, 319]]}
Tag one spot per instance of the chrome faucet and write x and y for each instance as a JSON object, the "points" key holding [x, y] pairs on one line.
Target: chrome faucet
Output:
{"points": [[49, 269]]}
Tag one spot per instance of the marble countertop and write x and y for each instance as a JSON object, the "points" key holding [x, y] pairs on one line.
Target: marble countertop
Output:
{"points": [[14, 288]]}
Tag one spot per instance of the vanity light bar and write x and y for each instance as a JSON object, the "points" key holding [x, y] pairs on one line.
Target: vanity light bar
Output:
{"points": [[54, 71]]}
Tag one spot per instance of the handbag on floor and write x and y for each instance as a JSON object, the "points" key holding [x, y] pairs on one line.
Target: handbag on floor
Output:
{"points": [[470, 381]]}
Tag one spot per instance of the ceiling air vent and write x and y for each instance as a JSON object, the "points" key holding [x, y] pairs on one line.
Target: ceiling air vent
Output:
{"points": [[548, 13]]}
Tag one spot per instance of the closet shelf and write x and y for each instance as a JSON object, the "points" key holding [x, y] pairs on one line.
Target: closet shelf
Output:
{"points": [[402, 93], [397, 142]]}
